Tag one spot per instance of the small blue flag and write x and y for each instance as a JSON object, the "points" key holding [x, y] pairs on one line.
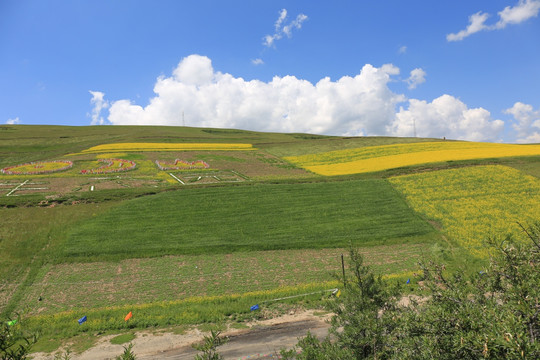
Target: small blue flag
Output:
{"points": [[408, 281], [254, 307], [81, 320]]}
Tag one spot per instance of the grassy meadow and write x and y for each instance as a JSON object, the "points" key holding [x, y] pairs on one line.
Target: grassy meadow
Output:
{"points": [[184, 247], [249, 218]]}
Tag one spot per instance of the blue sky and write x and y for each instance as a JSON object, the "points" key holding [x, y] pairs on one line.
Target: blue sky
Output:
{"points": [[455, 69]]}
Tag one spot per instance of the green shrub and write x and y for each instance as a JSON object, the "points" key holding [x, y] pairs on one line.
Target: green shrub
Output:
{"points": [[493, 314]]}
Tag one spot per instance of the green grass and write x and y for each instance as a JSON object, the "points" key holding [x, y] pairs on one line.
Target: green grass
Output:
{"points": [[248, 218], [198, 254], [324, 144], [23, 143], [27, 237], [64, 287], [191, 311], [122, 339]]}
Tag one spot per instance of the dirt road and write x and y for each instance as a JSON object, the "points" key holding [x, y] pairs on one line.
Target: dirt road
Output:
{"points": [[263, 340]]}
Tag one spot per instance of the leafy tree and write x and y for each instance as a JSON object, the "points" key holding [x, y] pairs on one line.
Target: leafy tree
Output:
{"points": [[364, 322]]}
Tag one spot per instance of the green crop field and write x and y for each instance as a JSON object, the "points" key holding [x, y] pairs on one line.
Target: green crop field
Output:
{"points": [[201, 245], [249, 218]]}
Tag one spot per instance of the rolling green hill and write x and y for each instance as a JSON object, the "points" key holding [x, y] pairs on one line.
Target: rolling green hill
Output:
{"points": [[253, 225]]}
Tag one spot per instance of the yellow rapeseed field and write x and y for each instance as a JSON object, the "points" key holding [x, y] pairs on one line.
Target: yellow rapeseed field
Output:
{"points": [[165, 147], [474, 203], [378, 158]]}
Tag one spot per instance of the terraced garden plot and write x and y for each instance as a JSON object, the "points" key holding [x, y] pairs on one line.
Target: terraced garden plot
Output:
{"points": [[474, 203], [378, 158], [249, 218]]}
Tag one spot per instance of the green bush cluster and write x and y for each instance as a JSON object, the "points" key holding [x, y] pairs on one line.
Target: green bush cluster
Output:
{"points": [[492, 314]]}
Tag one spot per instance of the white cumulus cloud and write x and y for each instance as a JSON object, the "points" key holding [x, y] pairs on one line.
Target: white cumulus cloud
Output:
{"points": [[447, 117], [522, 11], [13, 121], [280, 29], [418, 76], [362, 104], [527, 124]]}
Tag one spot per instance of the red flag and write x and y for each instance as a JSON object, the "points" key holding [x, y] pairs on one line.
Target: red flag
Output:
{"points": [[128, 316]]}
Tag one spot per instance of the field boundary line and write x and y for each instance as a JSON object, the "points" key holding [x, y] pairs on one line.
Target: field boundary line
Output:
{"points": [[177, 179], [295, 296], [17, 187]]}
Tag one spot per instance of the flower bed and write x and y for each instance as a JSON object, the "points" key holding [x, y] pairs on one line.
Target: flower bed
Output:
{"points": [[111, 166], [38, 167], [182, 165]]}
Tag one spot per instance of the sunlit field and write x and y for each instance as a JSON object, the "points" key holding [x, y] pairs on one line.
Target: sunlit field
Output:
{"points": [[378, 158], [249, 218], [474, 203], [207, 222]]}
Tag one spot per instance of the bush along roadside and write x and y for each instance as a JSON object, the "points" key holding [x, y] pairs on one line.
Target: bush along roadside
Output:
{"points": [[493, 314]]}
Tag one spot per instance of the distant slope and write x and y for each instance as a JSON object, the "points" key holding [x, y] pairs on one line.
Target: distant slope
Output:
{"points": [[378, 158], [23, 143]]}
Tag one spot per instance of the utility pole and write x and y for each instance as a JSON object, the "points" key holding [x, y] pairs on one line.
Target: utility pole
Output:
{"points": [[414, 126], [343, 269], [183, 120]]}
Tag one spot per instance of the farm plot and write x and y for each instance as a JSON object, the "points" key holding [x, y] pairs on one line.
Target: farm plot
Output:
{"points": [[17, 188], [53, 187], [474, 203], [136, 281], [208, 177], [250, 218], [378, 158], [252, 164], [27, 234], [50, 186], [118, 182]]}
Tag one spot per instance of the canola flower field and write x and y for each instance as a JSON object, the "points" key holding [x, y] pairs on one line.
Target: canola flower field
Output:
{"points": [[167, 147], [378, 158], [474, 203]]}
